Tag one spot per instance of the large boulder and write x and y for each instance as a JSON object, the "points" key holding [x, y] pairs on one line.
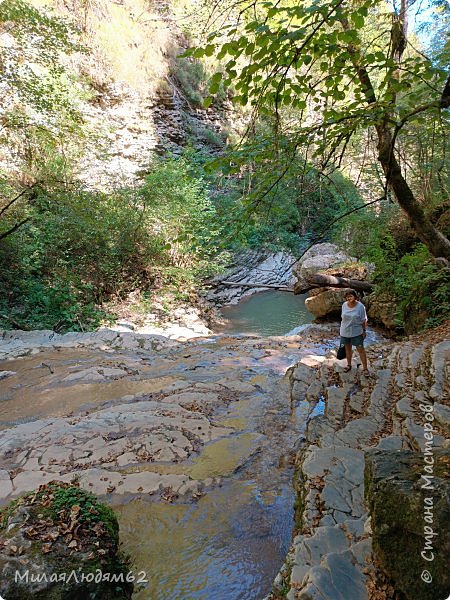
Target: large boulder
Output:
{"points": [[410, 516], [326, 301], [328, 259], [382, 308], [60, 543]]}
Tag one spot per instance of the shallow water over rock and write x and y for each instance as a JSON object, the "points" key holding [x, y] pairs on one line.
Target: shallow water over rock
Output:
{"points": [[227, 545], [191, 444]]}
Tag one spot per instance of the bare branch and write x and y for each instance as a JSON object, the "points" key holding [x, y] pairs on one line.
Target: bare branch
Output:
{"points": [[15, 228], [11, 202]]}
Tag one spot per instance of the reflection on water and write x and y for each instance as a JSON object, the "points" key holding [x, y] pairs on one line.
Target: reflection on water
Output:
{"points": [[230, 543], [267, 313], [227, 546]]}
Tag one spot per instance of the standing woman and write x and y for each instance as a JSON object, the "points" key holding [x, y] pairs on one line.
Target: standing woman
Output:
{"points": [[353, 329]]}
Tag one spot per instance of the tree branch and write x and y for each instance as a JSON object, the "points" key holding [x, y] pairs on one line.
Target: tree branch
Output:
{"points": [[11, 202], [15, 228]]}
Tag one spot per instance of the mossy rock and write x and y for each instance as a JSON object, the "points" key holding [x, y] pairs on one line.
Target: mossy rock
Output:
{"points": [[397, 501], [59, 543]]}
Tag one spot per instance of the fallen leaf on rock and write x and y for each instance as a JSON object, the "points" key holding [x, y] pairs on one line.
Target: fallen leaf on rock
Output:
{"points": [[198, 494], [31, 532], [50, 537]]}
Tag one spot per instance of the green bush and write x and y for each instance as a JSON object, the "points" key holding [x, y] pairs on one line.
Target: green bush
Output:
{"points": [[77, 250], [406, 271], [81, 249], [423, 289], [178, 205]]}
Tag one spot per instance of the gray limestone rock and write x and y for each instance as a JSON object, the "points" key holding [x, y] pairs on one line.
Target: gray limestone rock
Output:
{"points": [[304, 373], [310, 550], [337, 578], [253, 267], [404, 408], [442, 414], [391, 442], [317, 428], [357, 401], [335, 402], [440, 366], [362, 551], [416, 434]]}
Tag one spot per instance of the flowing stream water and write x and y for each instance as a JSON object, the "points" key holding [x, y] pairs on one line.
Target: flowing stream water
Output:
{"points": [[230, 542]]}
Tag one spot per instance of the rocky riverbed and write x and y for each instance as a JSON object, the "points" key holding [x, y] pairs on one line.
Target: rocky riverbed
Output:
{"points": [[204, 434], [201, 431], [351, 461]]}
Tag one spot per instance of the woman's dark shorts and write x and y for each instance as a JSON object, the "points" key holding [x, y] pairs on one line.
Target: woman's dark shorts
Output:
{"points": [[357, 340]]}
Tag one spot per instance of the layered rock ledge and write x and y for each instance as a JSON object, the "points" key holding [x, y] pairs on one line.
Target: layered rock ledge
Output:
{"points": [[254, 267], [332, 556]]}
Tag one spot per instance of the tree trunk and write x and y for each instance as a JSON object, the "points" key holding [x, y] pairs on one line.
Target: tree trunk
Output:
{"points": [[436, 242], [341, 282]]}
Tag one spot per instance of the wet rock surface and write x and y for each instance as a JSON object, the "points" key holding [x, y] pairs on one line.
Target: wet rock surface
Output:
{"points": [[334, 554], [164, 431], [169, 419], [130, 416]]}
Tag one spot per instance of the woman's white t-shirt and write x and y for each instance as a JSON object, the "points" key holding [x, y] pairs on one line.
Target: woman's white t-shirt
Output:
{"points": [[352, 319]]}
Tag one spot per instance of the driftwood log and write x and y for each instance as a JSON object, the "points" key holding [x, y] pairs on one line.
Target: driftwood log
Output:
{"points": [[312, 282], [283, 288], [317, 280]]}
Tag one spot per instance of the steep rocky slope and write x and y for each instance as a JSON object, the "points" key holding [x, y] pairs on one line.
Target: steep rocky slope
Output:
{"points": [[135, 96]]}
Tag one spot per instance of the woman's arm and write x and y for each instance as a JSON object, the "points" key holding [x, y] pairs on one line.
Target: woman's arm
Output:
{"points": [[364, 323]]}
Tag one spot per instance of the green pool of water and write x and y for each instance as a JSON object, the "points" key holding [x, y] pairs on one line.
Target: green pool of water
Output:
{"points": [[267, 313]]}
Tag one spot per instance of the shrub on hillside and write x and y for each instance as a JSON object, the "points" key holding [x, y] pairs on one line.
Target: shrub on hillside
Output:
{"points": [[81, 248], [404, 268]]}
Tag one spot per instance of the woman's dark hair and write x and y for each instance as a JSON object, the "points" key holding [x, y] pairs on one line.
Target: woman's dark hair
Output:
{"points": [[351, 293]]}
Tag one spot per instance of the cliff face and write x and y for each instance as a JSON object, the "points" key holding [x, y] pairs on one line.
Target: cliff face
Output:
{"points": [[131, 129], [135, 95]]}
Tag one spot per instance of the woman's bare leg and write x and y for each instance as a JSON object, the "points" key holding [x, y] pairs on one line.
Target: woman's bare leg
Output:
{"points": [[348, 354], [362, 354]]}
